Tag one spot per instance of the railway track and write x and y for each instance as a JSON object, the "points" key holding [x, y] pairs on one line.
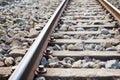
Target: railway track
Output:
{"points": [[18, 31], [79, 42]]}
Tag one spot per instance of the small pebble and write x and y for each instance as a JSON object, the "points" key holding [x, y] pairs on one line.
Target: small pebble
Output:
{"points": [[57, 47], [105, 31], [111, 64], [71, 29], [106, 44], [102, 63], [64, 27], [67, 65], [6, 47], [17, 60], [2, 64], [90, 47], [77, 64], [4, 38], [40, 78], [54, 65], [80, 29], [9, 61], [66, 37], [111, 49], [57, 35], [68, 60], [33, 33], [53, 59], [43, 61], [99, 48]]}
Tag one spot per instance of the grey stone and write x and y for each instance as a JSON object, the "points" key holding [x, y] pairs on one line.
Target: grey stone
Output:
{"points": [[90, 35], [68, 60], [71, 29], [92, 29], [84, 61], [33, 33], [62, 62], [83, 37], [40, 78], [6, 55], [43, 61], [38, 28], [90, 46], [1, 55], [54, 65], [76, 36], [97, 66], [66, 37], [57, 35], [76, 47], [80, 29], [2, 64], [23, 33], [53, 60], [91, 64], [67, 65], [105, 31], [114, 42], [88, 65], [9, 61], [64, 47], [111, 64], [97, 61], [102, 63], [118, 47], [17, 60], [85, 65], [64, 27], [4, 38], [6, 47], [57, 47], [9, 41], [2, 51], [16, 37], [17, 29], [25, 44], [2, 33], [99, 48], [77, 64], [2, 20], [70, 47], [118, 65], [111, 49], [98, 23], [110, 36], [18, 20], [11, 33]]}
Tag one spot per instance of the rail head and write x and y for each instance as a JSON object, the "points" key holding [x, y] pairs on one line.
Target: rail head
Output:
{"points": [[26, 68], [112, 9], [117, 10]]}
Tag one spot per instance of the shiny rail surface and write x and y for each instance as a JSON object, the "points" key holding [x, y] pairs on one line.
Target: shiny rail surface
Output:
{"points": [[26, 68], [113, 10]]}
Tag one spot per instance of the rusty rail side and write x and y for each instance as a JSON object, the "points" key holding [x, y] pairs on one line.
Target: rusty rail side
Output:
{"points": [[113, 10], [26, 68]]}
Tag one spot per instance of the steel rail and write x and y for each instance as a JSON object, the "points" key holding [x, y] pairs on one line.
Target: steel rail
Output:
{"points": [[26, 68], [113, 10]]}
